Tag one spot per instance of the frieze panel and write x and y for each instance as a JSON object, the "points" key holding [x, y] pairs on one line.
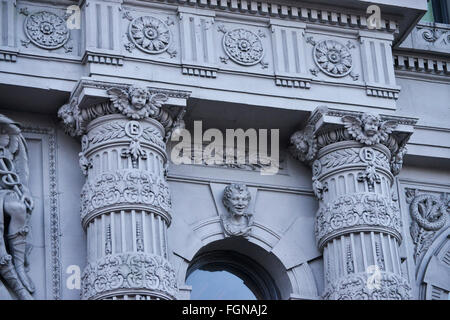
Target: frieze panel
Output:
{"points": [[129, 273], [357, 212], [124, 187], [389, 286]]}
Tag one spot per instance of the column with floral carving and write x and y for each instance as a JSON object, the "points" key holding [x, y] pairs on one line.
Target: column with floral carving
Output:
{"points": [[354, 158], [126, 201]]}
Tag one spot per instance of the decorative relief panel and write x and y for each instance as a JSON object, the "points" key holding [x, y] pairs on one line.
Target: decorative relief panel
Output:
{"points": [[429, 214], [46, 30], [239, 221], [243, 46], [368, 211], [354, 287], [125, 187], [150, 34], [129, 273], [333, 58]]}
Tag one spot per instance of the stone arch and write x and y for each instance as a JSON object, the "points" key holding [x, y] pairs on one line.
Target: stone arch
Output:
{"points": [[294, 282], [433, 273]]}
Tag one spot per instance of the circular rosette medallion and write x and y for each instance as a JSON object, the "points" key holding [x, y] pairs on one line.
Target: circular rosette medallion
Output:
{"points": [[243, 47], [46, 30], [333, 58], [150, 34]]}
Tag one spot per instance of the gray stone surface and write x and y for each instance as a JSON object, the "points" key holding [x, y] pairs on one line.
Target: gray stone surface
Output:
{"points": [[363, 119]]}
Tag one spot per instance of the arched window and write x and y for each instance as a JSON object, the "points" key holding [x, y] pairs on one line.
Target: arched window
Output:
{"points": [[227, 275]]}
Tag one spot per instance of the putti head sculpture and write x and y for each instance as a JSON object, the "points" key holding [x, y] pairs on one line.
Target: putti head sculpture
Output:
{"points": [[368, 128], [303, 144], [236, 200], [137, 102], [67, 113]]}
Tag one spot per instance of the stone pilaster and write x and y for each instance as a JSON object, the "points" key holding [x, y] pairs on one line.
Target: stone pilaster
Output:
{"points": [[126, 200], [354, 158]]}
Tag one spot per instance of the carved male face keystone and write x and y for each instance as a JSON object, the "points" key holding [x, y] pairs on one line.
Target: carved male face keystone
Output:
{"points": [[236, 199]]}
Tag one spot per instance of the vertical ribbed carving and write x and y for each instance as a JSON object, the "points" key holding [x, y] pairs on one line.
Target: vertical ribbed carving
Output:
{"points": [[378, 66], [289, 55], [8, 50], [198, 56], [102, 32]]}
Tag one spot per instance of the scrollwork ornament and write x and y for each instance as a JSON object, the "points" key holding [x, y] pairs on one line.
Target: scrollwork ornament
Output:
{"points": [[243, 47], [46, 30], [333, 58], [429, 212], [150, 34]]}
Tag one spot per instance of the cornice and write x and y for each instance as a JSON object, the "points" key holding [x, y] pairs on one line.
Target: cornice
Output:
{"points": [[306, 12]]}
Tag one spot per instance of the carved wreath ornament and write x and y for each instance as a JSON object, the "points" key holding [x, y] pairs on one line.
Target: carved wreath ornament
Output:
{"points": [[243, 47], [150, 34], [333, 58], [46, 30]]}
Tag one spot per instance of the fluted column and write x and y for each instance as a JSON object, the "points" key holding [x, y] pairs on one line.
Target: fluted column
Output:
{"points": [[354, 158], [125, 201]]}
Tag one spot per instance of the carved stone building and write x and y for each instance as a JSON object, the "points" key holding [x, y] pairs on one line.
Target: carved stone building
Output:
{"points": [[95, 93]]}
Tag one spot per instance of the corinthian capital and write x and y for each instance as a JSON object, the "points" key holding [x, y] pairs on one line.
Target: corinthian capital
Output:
{"points": [[93, 99], [327, 126]]}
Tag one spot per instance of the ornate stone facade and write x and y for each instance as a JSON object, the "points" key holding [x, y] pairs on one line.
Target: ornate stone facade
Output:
{"points": [[358, 223], [123, 156]]}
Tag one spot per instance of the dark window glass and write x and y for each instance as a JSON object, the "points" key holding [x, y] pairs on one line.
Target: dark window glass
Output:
{"points": [[441, 11]]}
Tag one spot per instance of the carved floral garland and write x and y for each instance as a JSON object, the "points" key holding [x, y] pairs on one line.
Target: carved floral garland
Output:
{"points": [[354, 287], [129, 271], [357, 210]]}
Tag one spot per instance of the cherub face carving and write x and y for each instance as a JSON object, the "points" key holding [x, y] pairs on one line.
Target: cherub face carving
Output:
{"points": [[137, 102], [138, 97], [371, 124], [368, 128], [236, 199]]}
